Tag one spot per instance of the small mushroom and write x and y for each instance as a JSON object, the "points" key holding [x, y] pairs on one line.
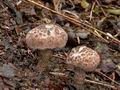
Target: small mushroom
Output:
{"points": [[84, 58], [46, 36]]}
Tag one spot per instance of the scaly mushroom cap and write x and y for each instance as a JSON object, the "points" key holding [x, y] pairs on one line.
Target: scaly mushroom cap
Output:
{"points": [[84, 57], [46, 36]]}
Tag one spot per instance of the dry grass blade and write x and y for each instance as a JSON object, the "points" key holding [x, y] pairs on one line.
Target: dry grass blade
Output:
{"points": [[98, 34], [107, 77], [86, 80], [101, 7], [91, 12], [78, 23], [3, 10]]}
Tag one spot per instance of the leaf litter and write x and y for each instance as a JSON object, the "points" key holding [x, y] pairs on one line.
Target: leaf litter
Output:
{"points": [[22, 68]]}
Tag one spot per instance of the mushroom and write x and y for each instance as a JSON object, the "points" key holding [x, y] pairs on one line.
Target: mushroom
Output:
{"points": [[44, 38], [84, 58]]}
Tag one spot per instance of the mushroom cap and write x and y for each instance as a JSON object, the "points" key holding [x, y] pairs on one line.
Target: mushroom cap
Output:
{"points": [[46, 36], [84, 57]]}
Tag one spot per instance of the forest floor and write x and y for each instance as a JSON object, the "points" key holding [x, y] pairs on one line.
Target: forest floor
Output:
{"points": [[92, 23]]}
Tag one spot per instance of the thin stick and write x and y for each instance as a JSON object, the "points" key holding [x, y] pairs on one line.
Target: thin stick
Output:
{"points": [[107, 77], [73, 20], [86, 80], [92, 10], [3, 10], [100, 7], [100, 83]]}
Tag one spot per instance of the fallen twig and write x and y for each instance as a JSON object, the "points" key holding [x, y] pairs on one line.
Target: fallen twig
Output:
{"points": [[78, 23], [100, 83], [101, 7], [86, 80], [107, 77], [91, 12]]}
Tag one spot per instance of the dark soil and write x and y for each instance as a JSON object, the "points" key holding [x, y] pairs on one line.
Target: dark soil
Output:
{"points": [[22, 68]]}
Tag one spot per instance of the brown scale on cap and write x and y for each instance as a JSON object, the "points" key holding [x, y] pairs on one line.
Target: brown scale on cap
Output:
{"points": [[84, 57], [46, 36]]}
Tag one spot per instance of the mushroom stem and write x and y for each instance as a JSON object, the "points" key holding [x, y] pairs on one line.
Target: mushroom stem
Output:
{"points": [[43, 59]]}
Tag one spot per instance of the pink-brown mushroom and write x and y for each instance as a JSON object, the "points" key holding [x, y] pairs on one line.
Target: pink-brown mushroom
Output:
{"points": [[84, 57], [44, 38]]}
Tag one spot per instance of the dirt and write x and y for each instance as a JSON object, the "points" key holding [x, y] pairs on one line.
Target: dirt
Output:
{"points": [[22, 68]]}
